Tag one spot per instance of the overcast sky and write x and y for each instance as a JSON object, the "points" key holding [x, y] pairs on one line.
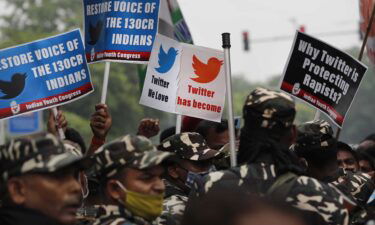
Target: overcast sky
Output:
{"points": [[207, 19]]}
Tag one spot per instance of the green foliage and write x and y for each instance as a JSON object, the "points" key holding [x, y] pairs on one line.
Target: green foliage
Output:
{"points": [[34, 19], [29, 20]]}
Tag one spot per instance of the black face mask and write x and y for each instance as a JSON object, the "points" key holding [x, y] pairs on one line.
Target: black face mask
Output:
{"points": [[193, 177]]}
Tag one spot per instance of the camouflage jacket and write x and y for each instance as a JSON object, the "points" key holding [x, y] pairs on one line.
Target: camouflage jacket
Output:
{"points": [[173, 205], [359, 187], [318, 200], [86, 214], [116, 215]]}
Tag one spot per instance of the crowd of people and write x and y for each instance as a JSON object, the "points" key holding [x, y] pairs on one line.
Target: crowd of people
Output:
{"points": [[286, 174]]}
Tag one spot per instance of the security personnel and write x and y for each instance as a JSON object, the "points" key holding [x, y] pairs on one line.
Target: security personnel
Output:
{"points": [[317, 145], [270, 168], [192, 161], [39, 182], [129, 172]]}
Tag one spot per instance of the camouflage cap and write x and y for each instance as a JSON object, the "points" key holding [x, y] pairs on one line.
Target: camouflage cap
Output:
{"points": [[189, 146], [127, 151], [269, 109], [317, 134], [72, 147], [44, 153]]}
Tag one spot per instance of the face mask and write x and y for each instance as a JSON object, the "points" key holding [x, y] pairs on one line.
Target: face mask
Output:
{"points": [[196, 177], [148, 207]]}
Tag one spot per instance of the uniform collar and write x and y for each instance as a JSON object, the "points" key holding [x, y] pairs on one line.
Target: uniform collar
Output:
{"points": [[118, 211]]}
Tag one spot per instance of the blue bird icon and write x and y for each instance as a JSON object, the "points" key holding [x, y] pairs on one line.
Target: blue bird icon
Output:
{"points": [[166, 60]]}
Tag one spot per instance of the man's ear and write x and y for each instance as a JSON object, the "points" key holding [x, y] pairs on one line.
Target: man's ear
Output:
{"points": [[17, 190], [172, 171], [114, 191], [303, 162], [293, 135]]}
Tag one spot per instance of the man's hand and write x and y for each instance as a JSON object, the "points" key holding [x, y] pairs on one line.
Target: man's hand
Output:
{"points": [[101, 121], [55, 123], [148, 127]]}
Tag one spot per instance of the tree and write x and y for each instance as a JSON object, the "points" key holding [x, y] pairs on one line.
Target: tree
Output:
{"points": [[29, 20]]}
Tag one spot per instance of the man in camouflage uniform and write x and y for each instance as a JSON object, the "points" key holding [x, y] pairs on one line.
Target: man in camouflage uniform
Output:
{"points": [[39, 182], [129, 172], [193, 160], [316, 144], [270, 168]]}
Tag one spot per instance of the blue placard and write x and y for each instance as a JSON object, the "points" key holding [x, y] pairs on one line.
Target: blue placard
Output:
{"points": [[43, 74], [25, 124], [120, 30]]}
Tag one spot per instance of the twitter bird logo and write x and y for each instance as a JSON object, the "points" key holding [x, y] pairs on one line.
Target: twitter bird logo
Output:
{"points": [[13, 88], [94, 32], [206, 72], [166, 60]]}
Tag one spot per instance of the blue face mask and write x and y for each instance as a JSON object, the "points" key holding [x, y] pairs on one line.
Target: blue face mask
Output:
{"points": [[197, 177]]}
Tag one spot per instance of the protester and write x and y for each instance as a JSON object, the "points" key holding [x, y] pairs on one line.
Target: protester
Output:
{"points": [[148, 127], [189, 124], [366, 164], [367, 146], [55, 123], [316, 145], [100, 123], [215, 134], [269, 167], [192, 160], [71, 134], [347, 157], [129, 172], [39, 182], [217, 137], [368, 142]]}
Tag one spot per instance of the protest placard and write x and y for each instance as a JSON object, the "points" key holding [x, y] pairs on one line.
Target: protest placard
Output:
{"points": [[201, 89], [43, 74], [120, 30], [366, 10], [160, 87], [185, 79], [322, 76]]}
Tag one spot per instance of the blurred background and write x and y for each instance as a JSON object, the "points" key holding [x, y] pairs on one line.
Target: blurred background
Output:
{"points": [[262, 33]]}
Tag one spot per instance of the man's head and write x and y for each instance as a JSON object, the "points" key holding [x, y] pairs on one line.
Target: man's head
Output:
{"points": [[41, 174], [270, 112], [216, 134], [268, 115], [193, 158], [217, 137], [315, 144], [368, 145], [129, 170], [366, 163], [347, 157]]}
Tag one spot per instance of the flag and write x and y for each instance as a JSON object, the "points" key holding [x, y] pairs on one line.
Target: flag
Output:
{"points": [[366, 7], [171, 24]]}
